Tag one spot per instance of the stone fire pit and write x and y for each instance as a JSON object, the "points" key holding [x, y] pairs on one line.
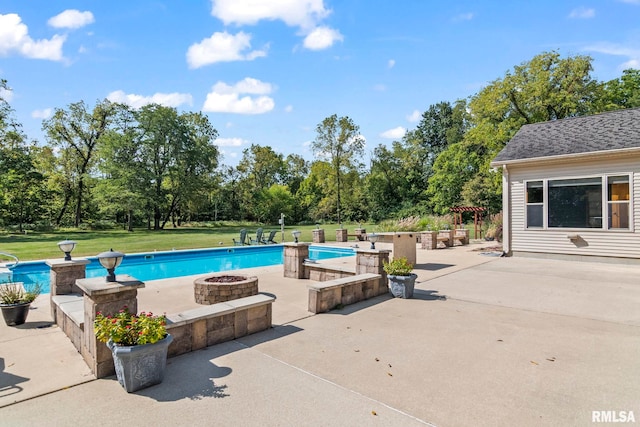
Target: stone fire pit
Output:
{"points": [[224, 287]]}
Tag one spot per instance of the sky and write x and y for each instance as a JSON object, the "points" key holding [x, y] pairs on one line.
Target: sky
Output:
{"points": [[267, 72]]}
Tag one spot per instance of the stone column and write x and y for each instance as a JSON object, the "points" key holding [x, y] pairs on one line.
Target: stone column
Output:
{"points": [[372, 261], [107, 298], [429, 239], [294, 256], [341, 235], [361, 234], [318, 235], [449, 235], [63, 276]]}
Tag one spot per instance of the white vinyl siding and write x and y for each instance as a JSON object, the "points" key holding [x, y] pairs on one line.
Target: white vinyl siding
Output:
{"points": [[617, 242]]}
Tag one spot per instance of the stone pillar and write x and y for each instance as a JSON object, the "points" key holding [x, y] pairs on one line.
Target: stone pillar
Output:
{"points": [[318, 235], [449, 235], [429, 239], [294, 256], [361, 234], [107, 298], [63, 276], [372, 261], [341, 235]]}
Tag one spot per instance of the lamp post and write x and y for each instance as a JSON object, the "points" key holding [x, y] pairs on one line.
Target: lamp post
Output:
{"points": [[67, 246], [110, 260], [373, 238], [296, 235]]}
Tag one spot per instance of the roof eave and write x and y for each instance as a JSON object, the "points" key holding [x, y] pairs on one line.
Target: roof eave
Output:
{"points": [[564, 157]]}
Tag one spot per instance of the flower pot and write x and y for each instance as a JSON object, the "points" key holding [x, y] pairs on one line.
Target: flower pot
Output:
{"points": [[15, 314], [140, 366], [402, 286]]}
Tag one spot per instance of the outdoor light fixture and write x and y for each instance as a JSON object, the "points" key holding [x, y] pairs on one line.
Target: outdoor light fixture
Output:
{"points": [[110, 260], [317, 226], [296, 235], [67, 246], [373, 238]]}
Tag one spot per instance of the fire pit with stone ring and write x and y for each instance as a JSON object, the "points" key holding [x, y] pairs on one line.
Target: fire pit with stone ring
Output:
{"points": [[224, 287]]}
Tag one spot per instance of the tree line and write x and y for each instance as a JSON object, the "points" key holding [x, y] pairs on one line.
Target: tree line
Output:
{"points": [[155, 166]]}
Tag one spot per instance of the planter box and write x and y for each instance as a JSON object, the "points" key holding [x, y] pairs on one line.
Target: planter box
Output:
{"points": [[402, 286], [140, 366]]}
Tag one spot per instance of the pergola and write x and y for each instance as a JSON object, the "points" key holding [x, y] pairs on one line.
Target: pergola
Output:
{"points": [[477, 217]]}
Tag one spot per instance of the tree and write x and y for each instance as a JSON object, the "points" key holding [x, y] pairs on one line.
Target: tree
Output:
{"points": [[78, 132], [547, 87], [164, 161], [623, 92], [338, 140]]}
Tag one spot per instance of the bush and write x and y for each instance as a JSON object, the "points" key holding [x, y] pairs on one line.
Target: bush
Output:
{"points": [[398, 267]]}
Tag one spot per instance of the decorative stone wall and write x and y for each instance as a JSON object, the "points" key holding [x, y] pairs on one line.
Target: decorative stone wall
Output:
{"points": [[223, 287], [341, 235]]}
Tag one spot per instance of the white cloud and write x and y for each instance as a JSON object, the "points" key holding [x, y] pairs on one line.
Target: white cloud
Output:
{"points": [[288, 108], [391, 63], [42, 114], [230, 142], [632, 54], [14, 37], [222, 47], [394, 133], [582, 13], [71, 18], [224, 98], [414, 117], [321, 38], [463, 17], [295, 13], [6, 95], [379, 87], [136, 101]]}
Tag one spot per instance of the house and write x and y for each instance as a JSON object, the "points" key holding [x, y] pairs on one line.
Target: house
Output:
{"points": [[571, 188]]}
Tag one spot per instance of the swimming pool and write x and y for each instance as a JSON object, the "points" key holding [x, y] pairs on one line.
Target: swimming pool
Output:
{"points": [[164, 265]]}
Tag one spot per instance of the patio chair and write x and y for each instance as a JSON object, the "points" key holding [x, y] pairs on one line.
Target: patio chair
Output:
{"points": [[269, 240], [258, 238], [243, 238]]}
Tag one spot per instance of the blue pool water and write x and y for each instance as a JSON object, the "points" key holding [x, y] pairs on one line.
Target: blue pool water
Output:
{"points": [[163, 265]]}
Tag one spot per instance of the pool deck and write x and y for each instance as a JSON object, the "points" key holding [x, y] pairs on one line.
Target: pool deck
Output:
{"points": [[485, 341]]}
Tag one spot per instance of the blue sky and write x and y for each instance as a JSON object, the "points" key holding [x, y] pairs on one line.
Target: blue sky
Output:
{"points": [[267, 72]]}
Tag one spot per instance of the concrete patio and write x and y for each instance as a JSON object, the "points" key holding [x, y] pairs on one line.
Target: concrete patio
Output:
{"points": [[484, 341]]}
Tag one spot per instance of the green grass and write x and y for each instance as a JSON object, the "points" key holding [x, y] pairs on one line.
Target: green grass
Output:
{"points": [[43, 245]]}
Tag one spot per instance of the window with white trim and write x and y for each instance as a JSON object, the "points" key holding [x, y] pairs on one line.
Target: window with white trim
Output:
{"points": [[535, 204], [618, 202], [600, 202]]}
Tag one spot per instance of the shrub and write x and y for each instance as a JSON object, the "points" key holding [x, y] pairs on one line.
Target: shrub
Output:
{"points": [[398, 267], [127, 329]]}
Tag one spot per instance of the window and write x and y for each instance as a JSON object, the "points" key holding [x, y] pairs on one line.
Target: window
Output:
{"points": [[535, 204], [618, 202], [601, 202], [575, 203]]}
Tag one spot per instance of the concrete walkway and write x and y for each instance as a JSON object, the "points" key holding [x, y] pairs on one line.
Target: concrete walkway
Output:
{"points": [[485, 341]]}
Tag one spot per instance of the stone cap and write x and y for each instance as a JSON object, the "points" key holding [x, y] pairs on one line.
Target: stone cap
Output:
{"points": [[99, 285], [294, 244], [373, 251], [60, 262]]}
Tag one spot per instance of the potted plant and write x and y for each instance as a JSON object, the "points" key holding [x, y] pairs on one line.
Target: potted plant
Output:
{"points": [[138, 345], [401, 278], [15, 301]]}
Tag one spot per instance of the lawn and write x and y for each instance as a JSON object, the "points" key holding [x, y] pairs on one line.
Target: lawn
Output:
{"points": [[37, 245]]}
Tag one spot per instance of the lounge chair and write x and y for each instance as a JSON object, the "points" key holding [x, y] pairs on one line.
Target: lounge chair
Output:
{"points": [[258, 238], [243, 238], [269, 240]]}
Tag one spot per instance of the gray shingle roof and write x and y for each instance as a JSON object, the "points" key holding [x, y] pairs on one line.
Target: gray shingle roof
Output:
{"points": [[613, 130]]}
